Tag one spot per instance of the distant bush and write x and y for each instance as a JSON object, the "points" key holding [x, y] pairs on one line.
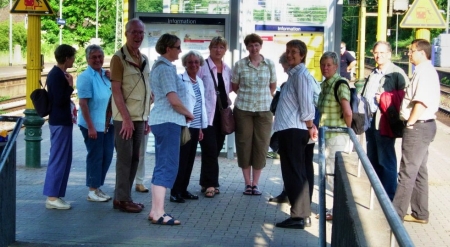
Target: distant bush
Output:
{"points": [[19, 34]]}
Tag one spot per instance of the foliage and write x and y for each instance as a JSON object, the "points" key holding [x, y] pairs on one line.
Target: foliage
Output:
{"points": [[3, 98], [445, 81], [152, 6], [405, 35], [19, 34], [3, 3], [80, 28]]}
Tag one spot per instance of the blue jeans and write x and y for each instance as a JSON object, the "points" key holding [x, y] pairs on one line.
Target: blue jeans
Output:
{"points": [[381, 153], [99, 156], [167, 153]]}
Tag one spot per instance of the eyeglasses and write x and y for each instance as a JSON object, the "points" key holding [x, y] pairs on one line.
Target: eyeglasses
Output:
{"points": [[379, 53], [292, 52], [412, 51], [177, 47], [342, 47], [194, 62], [96, 57], [135, 33]]}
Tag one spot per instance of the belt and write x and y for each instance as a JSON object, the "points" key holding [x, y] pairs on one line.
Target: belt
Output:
{"points": [[425, 121]]}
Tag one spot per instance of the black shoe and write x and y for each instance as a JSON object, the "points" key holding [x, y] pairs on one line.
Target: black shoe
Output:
{"points": [[177, 198], [291, 223], [187, 195], [308, 222], [281, 198]]}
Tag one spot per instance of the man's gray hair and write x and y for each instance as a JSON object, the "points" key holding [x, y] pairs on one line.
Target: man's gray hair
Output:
{"points": [[92, 48]]}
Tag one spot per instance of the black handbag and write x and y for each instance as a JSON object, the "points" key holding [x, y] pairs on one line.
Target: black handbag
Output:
{"points": [[275, 99]]}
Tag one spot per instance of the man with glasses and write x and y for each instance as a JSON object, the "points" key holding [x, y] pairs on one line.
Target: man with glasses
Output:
{"points": [[386, 77], [130, 110], [418, 110], [348, 62]]}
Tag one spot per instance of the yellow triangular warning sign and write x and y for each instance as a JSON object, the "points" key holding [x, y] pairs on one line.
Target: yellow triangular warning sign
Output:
{"points": [[31, 7], [423, 14]]}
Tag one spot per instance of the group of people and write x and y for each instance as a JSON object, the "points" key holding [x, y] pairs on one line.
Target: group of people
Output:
{"points": [[116, 112]]}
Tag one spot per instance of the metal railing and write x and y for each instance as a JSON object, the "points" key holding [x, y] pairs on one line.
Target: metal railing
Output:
{"points": [[394, 221], [8, 184]]}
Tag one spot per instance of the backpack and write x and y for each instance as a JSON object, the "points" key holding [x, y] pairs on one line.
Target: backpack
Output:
{"points": [[41, 101], [360, 108]]}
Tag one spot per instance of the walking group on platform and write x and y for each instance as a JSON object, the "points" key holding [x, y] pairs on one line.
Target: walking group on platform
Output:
{"points": [[121, 107]]}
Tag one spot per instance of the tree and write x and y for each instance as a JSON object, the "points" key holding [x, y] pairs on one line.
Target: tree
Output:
{"points": [[81, 23], [19, 35]]}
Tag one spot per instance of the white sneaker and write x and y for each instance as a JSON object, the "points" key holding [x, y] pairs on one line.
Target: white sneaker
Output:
{"points": [[57, 204], [94, 196], [103, 194]]}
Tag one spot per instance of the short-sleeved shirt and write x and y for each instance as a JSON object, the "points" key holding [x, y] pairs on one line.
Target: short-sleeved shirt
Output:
{"points": [[254, 84], [330, 109], [424, 88], [346, 59], [97, 89], [164, 80]]}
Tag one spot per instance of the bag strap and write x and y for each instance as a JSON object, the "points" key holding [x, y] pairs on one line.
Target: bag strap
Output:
{"points": [[40, 83], [215, 86], [336, 87]]}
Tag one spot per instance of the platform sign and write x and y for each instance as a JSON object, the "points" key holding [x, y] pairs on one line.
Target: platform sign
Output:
{"points": [[32, 7], [423, 14], [276, 36]]}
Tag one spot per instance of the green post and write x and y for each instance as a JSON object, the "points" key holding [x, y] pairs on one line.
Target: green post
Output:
{"points": [[33, 137], [359, 85]]}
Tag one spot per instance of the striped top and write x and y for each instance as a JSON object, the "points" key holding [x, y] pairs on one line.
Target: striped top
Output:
{"points": [[296, 103], [197, 122]]}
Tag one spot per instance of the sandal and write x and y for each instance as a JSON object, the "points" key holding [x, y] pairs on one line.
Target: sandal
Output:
{"points": [[217, 191], [248, 190], [210, 193], [256, 191], [170, 222]]}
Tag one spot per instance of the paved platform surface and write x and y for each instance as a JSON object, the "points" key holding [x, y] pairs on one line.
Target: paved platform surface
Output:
{"points": [[229, 219]]}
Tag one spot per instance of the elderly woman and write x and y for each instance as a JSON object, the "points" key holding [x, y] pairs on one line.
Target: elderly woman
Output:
{"points": [[214, 72], [337, 114], [196, 105], [60, 88], [254, 81], [94, 92], [294, 124], [168, 116]]}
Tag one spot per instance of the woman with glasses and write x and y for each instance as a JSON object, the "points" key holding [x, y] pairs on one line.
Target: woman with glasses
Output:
{"points": [[195, 103], [254, 81], [168, 116], [337, 114], [94, 92], [214, 73]]}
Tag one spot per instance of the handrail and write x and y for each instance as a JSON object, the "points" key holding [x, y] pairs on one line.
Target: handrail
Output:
{"points": [[394, 221], [11, 139]]}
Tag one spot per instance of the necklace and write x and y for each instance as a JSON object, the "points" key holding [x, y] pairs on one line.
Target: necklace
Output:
{"points": [[193, 80]]}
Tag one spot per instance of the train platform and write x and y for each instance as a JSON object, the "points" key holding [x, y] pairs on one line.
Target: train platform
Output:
{"points": [[228, 219]]}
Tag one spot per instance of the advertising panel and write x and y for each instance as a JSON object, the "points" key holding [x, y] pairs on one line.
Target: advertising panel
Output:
{"points": [[195, 34]]}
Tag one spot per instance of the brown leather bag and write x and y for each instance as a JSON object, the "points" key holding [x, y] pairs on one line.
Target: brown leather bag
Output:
{"points": [[227, 119], [226, 115]]}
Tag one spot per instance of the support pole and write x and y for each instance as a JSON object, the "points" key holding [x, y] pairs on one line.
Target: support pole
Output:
{"points": [[33, 123], [382, 20], [361, 46]]}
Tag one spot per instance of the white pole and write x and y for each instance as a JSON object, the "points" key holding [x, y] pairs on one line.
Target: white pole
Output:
{"points": [[396, 37], [446, 26], [10, 35], [96, 19], [60, 27]]}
